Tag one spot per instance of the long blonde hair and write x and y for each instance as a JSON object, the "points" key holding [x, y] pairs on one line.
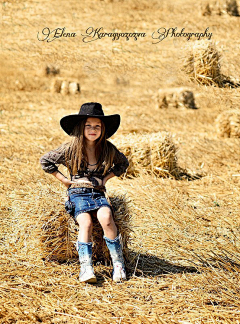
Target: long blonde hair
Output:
{"points": [[76, 155]]}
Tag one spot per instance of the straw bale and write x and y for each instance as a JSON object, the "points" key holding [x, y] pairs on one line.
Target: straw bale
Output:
{"points": [[203, 64], [231, 8], [64, 87], [51, 70], [228, 123], [228, 7], [58, 231], [175, 97], [209, 9], [74, 88], [56, 85], [153, 152], [206, 10]]}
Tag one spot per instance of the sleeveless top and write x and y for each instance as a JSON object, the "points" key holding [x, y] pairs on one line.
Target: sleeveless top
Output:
{"points": [[50, 160]]}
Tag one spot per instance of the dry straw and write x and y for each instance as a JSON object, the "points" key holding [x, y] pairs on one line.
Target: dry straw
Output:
{"points": [[228, 123], [176, 98], [203, 64], [153, 152], [57, 230]]}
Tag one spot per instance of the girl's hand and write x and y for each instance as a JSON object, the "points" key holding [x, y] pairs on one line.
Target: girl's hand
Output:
{"points": [[67, 182]]}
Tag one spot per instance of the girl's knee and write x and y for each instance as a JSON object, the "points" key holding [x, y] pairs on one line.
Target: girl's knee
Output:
{"points": [[105, 216], [85, 221]]}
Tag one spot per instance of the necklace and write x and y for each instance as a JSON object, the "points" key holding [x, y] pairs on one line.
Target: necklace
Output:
{"points": [[92, 164]]}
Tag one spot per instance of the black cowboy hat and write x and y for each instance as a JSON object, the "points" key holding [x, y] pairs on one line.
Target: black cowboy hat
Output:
{"points": [[91, 109]]}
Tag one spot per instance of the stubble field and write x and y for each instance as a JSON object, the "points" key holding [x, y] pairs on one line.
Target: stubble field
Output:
{"points": [[185, 248]]}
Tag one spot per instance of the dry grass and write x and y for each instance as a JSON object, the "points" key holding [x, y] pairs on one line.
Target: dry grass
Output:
{"points": [[184, 256]]}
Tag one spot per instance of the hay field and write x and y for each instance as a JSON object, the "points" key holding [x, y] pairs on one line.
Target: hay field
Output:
{"points": [[185, 248]]}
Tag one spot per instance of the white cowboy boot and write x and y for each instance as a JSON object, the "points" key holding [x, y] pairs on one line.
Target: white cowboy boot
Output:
{"points": [[115, 249], [85, 258]]}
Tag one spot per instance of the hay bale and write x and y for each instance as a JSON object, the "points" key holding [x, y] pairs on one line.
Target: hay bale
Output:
{"points": [[74, 88], [153, 152], [50, 70], [175, 97], [228, 7], [206, 10], [228, 123], [231, 8], [203, 64], [56, 85], [58, 231], [64, 88], [211, 9]]}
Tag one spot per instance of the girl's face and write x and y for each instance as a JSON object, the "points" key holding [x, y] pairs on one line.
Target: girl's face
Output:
{"points": [[92, 129]]}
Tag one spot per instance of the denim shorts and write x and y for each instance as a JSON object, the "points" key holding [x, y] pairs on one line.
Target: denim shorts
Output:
{"points": [[86, 199]]}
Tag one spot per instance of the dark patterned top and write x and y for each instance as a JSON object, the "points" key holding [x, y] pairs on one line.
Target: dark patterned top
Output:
{"points": [[57, 156]]}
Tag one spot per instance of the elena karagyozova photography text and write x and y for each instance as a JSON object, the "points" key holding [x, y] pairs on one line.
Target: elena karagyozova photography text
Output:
{"points": [[93, 34]]}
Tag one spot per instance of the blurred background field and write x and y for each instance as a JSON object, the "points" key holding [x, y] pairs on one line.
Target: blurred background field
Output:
{"points": [[184, 248]]}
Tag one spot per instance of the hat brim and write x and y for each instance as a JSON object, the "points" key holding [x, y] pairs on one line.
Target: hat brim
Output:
{"points": [[112, 123]]}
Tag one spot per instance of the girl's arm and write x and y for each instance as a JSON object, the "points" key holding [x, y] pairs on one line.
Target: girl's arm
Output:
{"points": [[62, 178], [49, 160]]}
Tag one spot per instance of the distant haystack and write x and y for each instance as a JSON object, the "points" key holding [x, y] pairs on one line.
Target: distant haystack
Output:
{"points": [[154, 152], [206, 10], [51, 70], [56, 85], [203, 64], [58, 232], [231, 7], [228, 7], [74, 88], [228, 123], [176, 98], [65, 87]]}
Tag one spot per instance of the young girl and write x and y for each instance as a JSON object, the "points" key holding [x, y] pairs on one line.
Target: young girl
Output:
{"points": [[91, 161]]}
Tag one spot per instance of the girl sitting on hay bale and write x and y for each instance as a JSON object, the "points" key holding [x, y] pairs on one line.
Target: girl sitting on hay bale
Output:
{"points": [[91, 161]]}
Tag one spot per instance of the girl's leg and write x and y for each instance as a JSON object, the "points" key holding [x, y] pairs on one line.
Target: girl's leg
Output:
{"points": [[85, 227], [105, 218], [84, 248]]}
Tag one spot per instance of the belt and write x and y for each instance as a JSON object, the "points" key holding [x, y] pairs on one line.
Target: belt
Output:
{"points": [[87, 185], [83, 190]]}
